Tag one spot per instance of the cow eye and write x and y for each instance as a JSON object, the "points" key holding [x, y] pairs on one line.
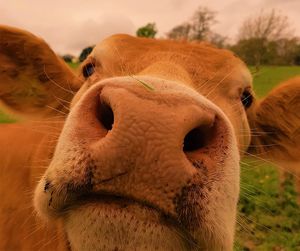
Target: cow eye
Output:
{"points": [[88, 70], [246, 99]]}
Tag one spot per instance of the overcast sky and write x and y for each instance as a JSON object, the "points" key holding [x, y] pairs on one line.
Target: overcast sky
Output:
{"points": [[70, 25]]}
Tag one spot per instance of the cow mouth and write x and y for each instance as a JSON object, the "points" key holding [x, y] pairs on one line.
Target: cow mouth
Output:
{"points": [[121, 202], [108, 206], [107, 198]]}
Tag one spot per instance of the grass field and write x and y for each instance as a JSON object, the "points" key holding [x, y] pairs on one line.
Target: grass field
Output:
{"points": [[264, 221], [269, 76]]}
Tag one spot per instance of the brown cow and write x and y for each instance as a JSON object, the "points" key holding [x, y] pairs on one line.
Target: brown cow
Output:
{"points": [[148, 156]]}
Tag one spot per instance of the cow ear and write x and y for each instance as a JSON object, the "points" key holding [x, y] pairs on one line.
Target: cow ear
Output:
{"points": [[33, 79], [275, 124]]}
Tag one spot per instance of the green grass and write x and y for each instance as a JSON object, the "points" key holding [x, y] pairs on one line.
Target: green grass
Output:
{"points": [[269, 76], [6, 118], [265, 221], [74, 65]]}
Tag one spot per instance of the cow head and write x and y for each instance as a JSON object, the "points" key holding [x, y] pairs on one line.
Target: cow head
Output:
{"points": [[148, 157]]}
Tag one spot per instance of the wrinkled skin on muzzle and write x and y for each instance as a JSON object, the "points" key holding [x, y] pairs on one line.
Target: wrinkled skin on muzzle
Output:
{"points": [[124, 151]]}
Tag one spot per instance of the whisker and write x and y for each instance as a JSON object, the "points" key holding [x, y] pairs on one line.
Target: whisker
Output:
{"points": [[220, 82], [56, 110], [54, 82]]}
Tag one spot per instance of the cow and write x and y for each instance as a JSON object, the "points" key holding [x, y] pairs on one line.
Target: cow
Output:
{"points": [[138, 151]]}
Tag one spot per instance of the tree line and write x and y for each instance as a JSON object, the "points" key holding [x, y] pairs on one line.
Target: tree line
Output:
{"points": [[263, 39]]}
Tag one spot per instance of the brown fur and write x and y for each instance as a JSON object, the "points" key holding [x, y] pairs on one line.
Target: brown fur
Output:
{"points": [[34, 76], [276, 129], [20, 229], [34, 79], [278, 117]]}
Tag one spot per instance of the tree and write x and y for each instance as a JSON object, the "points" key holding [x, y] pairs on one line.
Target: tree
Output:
{"points": [[198, 27], [85, 52], [287, 51], [180, 32], [296, 56], [265, 39], [68, 58], [149, 30], [201, 23], [253, 51], [270, 26], [217, 39]]}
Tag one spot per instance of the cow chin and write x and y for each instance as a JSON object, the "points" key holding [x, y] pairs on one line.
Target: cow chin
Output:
{"points": [[103, 226], [117, 226]]}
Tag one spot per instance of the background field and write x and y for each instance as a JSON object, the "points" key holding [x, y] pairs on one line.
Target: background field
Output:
{"points": [[264, 221]]}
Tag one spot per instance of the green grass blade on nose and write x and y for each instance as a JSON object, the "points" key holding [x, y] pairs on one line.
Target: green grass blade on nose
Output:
{"points": [[148, 86]]}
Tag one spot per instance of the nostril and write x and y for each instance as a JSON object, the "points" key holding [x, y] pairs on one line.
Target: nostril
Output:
{"points": [[198, 137], [105, 115]]}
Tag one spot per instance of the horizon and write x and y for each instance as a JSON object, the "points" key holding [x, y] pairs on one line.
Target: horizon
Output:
{"points": [[70, 26]]}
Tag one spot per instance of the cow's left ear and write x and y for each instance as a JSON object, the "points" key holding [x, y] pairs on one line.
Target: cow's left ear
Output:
{"points": [[33, 79], [275, 124]]}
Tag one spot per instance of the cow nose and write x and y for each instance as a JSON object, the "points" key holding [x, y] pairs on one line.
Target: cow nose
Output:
{"points": [[147, 134], [197, 138], [190, 127], [147, 146]]}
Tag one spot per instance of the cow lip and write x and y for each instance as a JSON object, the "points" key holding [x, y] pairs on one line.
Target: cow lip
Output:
{"points": [[121, 200], [108, 197]]}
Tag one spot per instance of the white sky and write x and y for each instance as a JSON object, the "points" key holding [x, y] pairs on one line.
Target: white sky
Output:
{"points": [[70, 25]]}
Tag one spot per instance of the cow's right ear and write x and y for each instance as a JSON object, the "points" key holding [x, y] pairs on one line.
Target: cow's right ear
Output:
{"points": [[34, 81], [275, 124]]}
